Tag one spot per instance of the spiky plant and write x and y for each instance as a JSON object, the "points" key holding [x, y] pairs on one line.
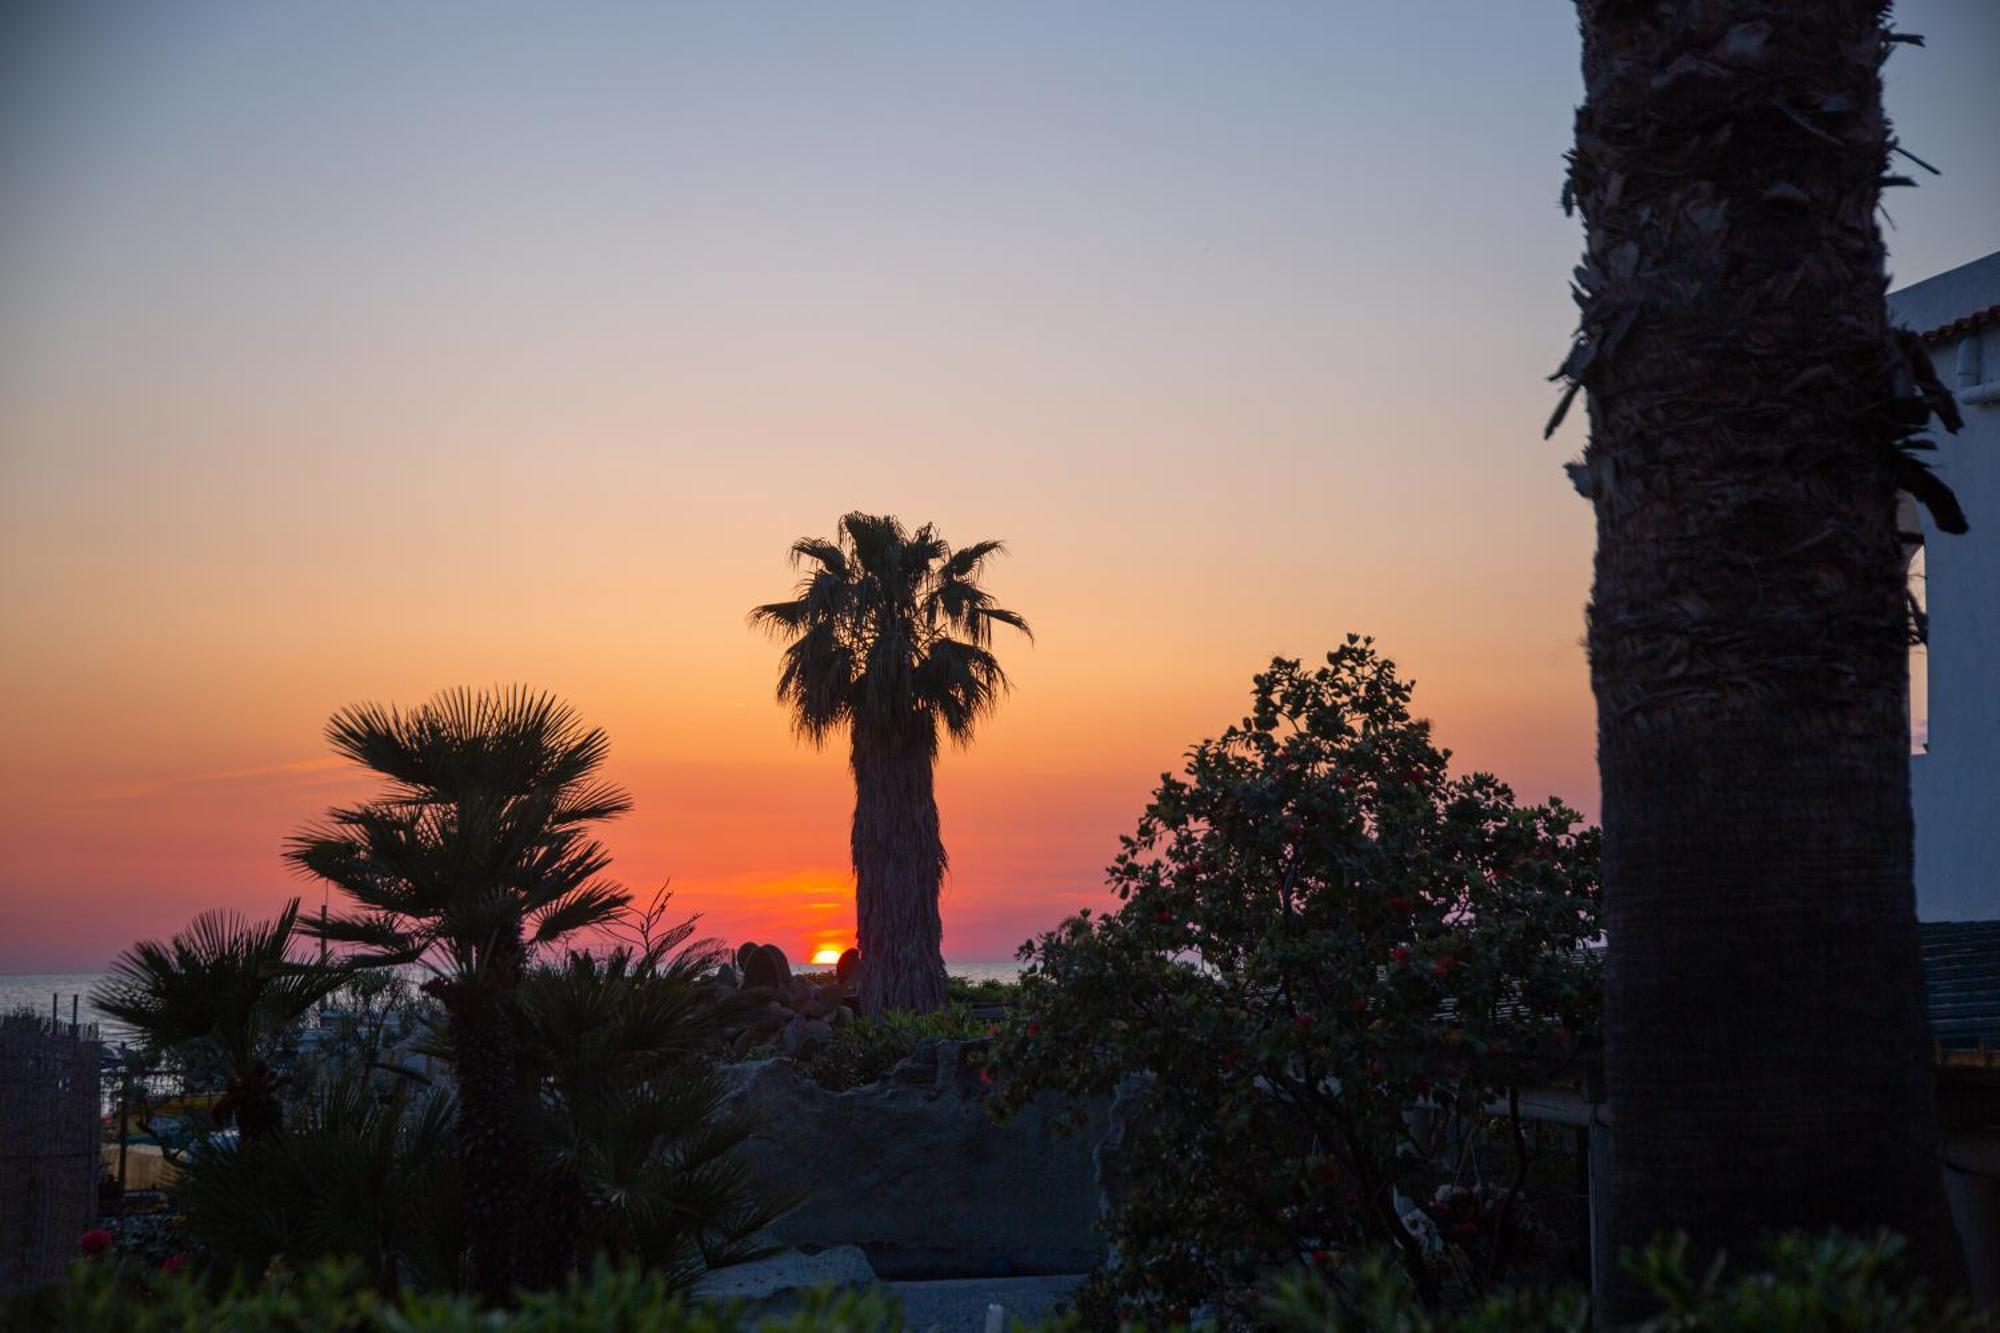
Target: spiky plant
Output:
{"points": [[223, 990], [636, 1151], [480, 848], [360, 1176], [888, 636]]}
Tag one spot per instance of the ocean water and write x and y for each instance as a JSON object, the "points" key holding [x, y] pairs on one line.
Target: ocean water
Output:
{"points": [[32, 991]]}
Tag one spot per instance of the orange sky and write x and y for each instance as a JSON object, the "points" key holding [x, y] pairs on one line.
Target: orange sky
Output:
{"points": [[348, 355]]}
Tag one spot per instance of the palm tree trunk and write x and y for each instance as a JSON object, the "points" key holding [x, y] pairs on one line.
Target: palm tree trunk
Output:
{"points": [[898, 871], [484, 1047], [1767, 1059]]}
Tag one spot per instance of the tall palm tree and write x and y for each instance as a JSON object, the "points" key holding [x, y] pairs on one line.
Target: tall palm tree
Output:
{"points": [[1752, 420], [480, 848], [889, 636], [223, 989]]}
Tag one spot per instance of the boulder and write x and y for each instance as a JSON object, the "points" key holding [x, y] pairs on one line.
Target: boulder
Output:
{"points": [[764, 1284], [916, 1172]]}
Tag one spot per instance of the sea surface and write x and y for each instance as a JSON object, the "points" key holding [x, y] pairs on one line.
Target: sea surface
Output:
{"points": [[33, 991]]}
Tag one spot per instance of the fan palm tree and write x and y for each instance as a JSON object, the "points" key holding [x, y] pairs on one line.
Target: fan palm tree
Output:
{"points": [[889, 636], [224, 989], [1752, 422], [480, 849]]}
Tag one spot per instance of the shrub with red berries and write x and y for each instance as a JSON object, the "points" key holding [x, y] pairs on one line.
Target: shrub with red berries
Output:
{"points": [[1367, 953]]}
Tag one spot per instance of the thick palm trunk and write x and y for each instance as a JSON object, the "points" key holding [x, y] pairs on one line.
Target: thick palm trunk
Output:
{"points": [[898, 871], [1766, 1052], [484, 1048]]}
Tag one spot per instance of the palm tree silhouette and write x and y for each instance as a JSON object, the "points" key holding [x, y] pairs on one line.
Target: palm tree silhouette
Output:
{"points": [[888, 636], [223, 988], [480, 849]]}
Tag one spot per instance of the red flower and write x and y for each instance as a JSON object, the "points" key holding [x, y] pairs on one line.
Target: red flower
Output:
{"points": [[95, 1242], [1034, 1029], [1440, 967], [985, 1075], [1304, 1021], [1164, 917], [1230, 1059], [1322, 1258], [1374, 1069], [173, 1263], [1400, 954], [1400, 904]]}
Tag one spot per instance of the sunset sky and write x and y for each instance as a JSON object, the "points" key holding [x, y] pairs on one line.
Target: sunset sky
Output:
{"points": [[352, 351]]}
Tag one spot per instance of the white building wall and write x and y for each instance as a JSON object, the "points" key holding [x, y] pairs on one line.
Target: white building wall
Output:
{"points": [[1955, 783]]}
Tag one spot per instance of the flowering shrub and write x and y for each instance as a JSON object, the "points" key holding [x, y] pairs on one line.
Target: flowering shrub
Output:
{"points": [[1332, 963]]}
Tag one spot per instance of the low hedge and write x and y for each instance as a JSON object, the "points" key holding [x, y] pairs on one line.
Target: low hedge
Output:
{"points": [[1829, 1284]]}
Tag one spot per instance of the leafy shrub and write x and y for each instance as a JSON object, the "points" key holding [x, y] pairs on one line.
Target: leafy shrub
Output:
{"points": [[983, 992], [634, 1147], [865, 1051], [630, 1152], [1331, 962], [1830, 1284], [354, 1174], [1816, 1284]]}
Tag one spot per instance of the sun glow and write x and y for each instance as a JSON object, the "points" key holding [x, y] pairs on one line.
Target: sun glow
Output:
{"points": [[826, 957]]}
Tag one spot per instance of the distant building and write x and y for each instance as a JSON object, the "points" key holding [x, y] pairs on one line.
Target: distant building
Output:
{"points": [[1955, 774]]}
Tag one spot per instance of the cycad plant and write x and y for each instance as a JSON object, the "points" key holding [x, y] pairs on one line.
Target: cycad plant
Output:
{"points": [[221, 991], [480, 847], [888, 635], [362, 1176], [635, 1152]]}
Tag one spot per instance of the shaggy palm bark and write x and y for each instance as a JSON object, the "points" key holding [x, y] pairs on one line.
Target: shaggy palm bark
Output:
{"points": [[1767, 1058], [484, 1047], [899, 865]]}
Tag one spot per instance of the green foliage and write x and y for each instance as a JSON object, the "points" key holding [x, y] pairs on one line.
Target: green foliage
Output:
{"points": [[361, 1176], [635, 1149], [1830, 1284], [984, 992], [628, 1150], [1331, 959], [337, 1298], [1816, 1284], [867, 1049]]}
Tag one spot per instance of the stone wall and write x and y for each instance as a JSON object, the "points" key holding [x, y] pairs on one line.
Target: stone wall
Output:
{"points": [[916, 1172]]}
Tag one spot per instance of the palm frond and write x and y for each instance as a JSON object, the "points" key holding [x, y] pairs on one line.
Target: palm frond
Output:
{"points": [[862, 626]]}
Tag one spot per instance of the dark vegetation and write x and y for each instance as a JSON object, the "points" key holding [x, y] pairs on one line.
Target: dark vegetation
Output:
{"points": [[1335, 964], [1832, 1285]]}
